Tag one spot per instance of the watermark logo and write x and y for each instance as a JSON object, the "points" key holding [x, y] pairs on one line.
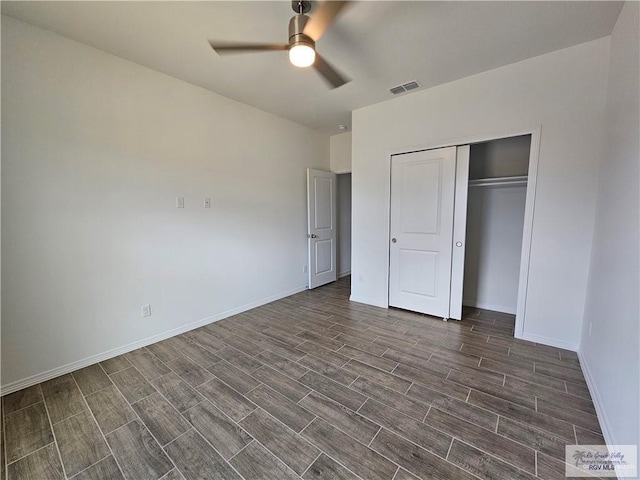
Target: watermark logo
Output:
{"points": [[601, 461]]}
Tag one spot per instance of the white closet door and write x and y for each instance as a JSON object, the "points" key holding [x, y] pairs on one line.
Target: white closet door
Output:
{"points": [[459, 231], [422, 204]]}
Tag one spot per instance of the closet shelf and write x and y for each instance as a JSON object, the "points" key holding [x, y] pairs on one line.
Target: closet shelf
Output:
{"points": [[499, 182]]}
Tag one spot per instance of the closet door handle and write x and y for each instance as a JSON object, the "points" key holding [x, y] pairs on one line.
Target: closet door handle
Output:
{"points": [[458, 244], [393, 240]]}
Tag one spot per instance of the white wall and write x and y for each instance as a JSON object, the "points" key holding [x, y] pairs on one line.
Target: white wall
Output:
{"points": [[344, 224], [564, 92], [610, 354], [94, 151], [340, 152], [495, 218]]}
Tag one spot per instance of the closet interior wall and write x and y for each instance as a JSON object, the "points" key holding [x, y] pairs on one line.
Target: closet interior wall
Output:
{"points": [[495, 220]]}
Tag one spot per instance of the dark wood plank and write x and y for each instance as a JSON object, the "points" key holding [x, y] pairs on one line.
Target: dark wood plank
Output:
{"points": [[506, 393], [414, 408], [329, 356], [415, 459], [137, 453], [245, 346], [326, 342], [234, 377], [106, 469], [328, 370], [564, 373], [218, 429], [63, 398], [568, 414], [325, 468], [208, 341], [177, 391], [381, 377], [335, 391], [432, 381], [164, 350], [42, 464], [282, 364], [536, 439], [483, 465], [341, 417], [148, 365], [200, 355], [196, 459], [417, 362], [403, 425], [523, 415], [281, 383], [110, 409], [163, 421], [553, 396], [80, 442], [132, 384], [490, 442], [470, 413], [282, 349], [21, 399], [189, 371], [288, 446], [115, 364], [91, 379], [227, 399], [587, 437], [373, 360], [239, 359], [26, 430], [279, 406], [256, 463], [348, 451], [361, 344]]}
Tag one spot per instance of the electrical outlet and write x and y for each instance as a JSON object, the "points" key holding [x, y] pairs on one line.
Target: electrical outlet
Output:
{"points": [[304, 269], [146, 310], [179, 202], [206, 202]]}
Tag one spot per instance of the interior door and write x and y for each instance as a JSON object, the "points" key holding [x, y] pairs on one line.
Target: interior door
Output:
{"points": [[422, 205], [321, 205], [459, 231]]}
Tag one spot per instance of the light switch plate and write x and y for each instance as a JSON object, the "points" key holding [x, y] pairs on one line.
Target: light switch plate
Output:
{"points": [[179, 202]]}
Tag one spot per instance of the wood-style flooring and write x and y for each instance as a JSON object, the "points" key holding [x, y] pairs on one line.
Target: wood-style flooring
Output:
{"points": [[316, 387]]}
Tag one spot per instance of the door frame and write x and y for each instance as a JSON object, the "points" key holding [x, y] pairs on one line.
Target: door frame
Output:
{"points": [[527, 231]]}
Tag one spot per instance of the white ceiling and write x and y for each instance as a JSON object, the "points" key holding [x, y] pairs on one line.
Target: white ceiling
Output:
{"points": [[379, 44]]}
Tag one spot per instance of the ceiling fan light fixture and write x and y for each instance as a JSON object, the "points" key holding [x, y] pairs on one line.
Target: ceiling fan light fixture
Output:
{"points": [[302, 55]]}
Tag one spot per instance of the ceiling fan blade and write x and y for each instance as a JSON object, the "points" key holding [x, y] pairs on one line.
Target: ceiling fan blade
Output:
{"points": [[329, 73], [323, 18], [222, 48]]}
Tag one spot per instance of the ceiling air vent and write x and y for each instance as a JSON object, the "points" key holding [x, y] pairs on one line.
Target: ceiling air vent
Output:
{"points": [[405, 87]]}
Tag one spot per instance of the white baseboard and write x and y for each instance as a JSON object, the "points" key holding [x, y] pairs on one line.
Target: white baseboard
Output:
{"points": [[552, 342], [100, 357], [605, 426], [344, 274], [368, 301], [489, 306]]}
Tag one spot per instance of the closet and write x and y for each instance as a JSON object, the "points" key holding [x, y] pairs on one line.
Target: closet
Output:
{"points": [[457, 218], [496, 197]]}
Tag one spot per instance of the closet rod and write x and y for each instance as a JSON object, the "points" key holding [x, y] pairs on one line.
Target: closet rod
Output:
{"points": [[499, 181]]}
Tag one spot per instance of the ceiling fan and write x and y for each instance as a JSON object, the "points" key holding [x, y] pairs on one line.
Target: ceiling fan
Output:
{"points": [[304, 32]]}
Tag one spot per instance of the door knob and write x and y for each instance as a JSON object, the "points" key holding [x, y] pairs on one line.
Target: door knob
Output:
{"points": [[458, 244], [313, 235], [393, 240]]}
